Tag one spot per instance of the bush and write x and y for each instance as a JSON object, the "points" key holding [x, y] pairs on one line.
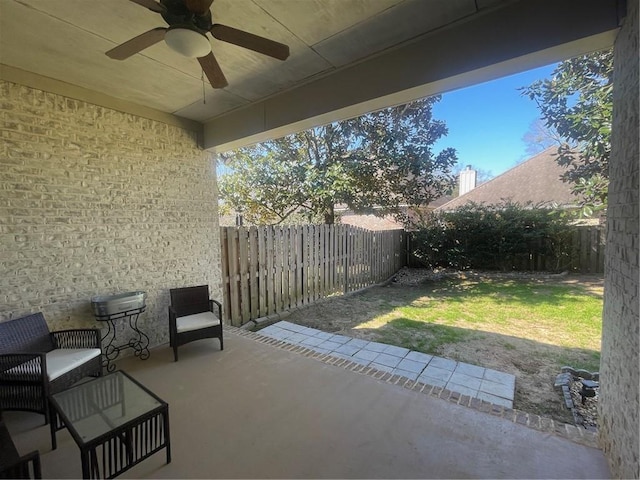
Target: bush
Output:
{"points": [[504, 237]]}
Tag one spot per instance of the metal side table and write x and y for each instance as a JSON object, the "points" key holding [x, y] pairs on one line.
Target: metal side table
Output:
{"points": [[127, 307]]}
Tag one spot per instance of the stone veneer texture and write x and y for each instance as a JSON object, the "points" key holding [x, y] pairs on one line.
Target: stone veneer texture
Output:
{"points": [[619, 381], [94, 201]]}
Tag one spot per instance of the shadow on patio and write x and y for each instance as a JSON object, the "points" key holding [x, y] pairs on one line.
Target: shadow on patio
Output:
{"points": [[259, 411]]}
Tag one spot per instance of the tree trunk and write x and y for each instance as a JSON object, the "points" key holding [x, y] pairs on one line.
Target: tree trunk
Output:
{"points": [[329, 215]]}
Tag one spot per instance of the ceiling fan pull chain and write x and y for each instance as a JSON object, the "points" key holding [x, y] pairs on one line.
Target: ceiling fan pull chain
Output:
{"points": [[204, 98]]}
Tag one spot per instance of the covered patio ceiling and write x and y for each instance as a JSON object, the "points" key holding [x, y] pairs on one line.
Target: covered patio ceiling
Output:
{"points": [[260, 411], [347, 56]]}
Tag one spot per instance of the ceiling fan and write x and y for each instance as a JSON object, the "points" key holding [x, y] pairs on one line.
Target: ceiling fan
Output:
{"points": [[189, 21]]}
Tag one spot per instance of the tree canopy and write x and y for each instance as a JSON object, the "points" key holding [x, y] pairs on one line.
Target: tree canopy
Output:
{"points": [[576, 102], [383, 159]]}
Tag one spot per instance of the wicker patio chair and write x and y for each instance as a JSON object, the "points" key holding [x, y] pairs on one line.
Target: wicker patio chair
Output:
{"points": [[36, 363], [193, 316], [14, 465]]}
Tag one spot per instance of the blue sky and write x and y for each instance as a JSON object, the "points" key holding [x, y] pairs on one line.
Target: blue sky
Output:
{"points": [[487, 121]]}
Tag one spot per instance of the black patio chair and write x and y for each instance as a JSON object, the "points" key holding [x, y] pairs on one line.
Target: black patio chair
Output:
{"points": [[193, 316], [36, 363]]}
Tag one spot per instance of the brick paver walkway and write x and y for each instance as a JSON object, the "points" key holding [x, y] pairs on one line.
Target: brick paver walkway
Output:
{"points": [[477, 382]]}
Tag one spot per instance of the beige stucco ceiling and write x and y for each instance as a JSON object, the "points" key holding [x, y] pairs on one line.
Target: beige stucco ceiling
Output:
{"points": [[66, 40], [347, 56]]}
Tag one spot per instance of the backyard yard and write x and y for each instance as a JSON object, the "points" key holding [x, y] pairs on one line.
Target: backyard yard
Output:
{"points": [[527, 325]]}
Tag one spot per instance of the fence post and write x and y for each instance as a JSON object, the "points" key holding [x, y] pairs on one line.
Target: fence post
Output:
{"points": [[277, 268], [345, 253], [243, 275], [262, 273], [253, 271], [226, 287], [234, 302], [270, 277], [299, 266]]}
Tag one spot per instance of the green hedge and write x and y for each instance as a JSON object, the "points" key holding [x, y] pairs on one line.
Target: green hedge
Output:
{"points": [[503, 237]]}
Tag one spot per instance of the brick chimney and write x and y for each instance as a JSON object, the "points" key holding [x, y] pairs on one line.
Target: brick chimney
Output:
{"points": [[468, 178]]}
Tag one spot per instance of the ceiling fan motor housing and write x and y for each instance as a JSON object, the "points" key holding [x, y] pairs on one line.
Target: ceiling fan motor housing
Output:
{"points": [[178, 16]]}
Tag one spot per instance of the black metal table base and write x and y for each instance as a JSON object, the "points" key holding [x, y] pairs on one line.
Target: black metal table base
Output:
{"points": [[139, 342]]}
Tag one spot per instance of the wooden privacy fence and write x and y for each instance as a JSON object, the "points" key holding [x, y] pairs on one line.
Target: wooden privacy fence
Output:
{"points": [[583, 252], [588, 246], [266, 270]]}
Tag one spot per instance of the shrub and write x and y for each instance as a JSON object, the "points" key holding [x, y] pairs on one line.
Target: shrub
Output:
{"points": [[503, 237]]}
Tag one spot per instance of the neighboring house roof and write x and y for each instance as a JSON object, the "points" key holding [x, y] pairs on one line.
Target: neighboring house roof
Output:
{"points": [[228, 220], [387, 222], [438, 202], [370, 222], [536, 181]]}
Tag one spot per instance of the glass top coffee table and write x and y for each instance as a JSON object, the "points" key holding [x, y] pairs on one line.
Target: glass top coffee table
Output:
{"points": [[115, 421]]}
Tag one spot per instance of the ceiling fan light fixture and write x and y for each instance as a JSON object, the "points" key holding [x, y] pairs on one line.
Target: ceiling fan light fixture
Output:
{"points": [[187, 42]]}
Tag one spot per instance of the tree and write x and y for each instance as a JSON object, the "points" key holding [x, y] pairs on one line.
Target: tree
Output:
{"points": [[539, 137], [382, 159], [576, 102]]}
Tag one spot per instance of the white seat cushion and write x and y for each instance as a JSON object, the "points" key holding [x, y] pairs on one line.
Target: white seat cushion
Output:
{"points": [[196, 321], [61, 361]]}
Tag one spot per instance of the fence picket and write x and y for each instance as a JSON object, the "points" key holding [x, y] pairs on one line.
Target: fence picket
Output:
{"points": [[243, 272], [253, 272], [277, 270], [235, 314], [584, 250], [224, 266], [319, 261], [262, 273], [305, 264], [323, 260], [299, 266], [270, 290], [593, 251], [292, 268]]}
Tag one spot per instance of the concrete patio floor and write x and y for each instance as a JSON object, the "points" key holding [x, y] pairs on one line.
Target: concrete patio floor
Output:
{"points": [[256, 410]]}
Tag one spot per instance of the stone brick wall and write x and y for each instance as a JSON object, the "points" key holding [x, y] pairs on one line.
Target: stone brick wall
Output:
{"points": [[94, 201], [619, 399]]}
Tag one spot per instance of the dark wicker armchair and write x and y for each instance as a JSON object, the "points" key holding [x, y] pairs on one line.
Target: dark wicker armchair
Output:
{"points": [[35, 363], [14, 465], [193, 316]]}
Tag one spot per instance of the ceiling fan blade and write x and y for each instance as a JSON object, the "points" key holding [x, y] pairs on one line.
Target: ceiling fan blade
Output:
{"points": [[137, 44], [250, 41], [199, 7], [213, 71], [151, 5]]}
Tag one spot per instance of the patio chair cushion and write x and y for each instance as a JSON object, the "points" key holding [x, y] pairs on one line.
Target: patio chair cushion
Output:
{"points": [[60, 361], [196, 321]]}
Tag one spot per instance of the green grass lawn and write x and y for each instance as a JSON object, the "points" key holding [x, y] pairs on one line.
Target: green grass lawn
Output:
{"points": [[562, 315]]}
